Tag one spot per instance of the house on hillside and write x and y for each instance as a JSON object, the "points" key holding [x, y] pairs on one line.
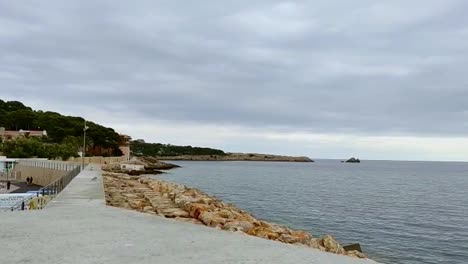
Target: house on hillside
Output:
{"points": [[9, 134]]}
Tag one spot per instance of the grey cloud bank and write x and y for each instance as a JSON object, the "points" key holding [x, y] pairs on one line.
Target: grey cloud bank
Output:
{"points": [[346, 76]]}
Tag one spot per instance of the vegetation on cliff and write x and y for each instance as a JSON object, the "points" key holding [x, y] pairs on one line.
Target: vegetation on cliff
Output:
{"points": [[63, 132], [157, 149], [33, 147], [172, 152], [237, 157]]}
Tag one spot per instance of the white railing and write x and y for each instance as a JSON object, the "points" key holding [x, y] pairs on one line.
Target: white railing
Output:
{"points": [[50, 164]]}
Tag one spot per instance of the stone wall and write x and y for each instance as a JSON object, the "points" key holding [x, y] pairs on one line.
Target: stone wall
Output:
{"points": [[43, 172], [99, 160], [41, 176]]}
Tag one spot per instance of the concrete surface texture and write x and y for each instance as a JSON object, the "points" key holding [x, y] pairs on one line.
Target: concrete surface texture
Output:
{"points": [[3, 187], [77, 227], [41, 176]]}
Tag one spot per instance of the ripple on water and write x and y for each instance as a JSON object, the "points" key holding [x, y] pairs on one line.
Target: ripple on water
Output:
{"points": [[401, 212]]}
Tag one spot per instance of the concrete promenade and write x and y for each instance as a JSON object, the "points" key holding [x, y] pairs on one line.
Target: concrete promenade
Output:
{"points": [[77, 227]]}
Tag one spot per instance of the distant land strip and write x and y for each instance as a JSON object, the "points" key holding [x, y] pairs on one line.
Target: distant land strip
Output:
{"points": [[237, 157]]}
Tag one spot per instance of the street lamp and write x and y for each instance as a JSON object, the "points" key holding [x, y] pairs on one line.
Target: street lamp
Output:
{"points": [[84, 145]]}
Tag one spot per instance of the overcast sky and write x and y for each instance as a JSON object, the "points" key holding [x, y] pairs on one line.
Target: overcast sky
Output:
{"points": [[326, 79]]}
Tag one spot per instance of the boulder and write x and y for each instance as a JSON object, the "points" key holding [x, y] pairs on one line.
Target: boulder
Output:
{"points": [[331, 245], [302, 237], [266, 233], [237, 225], [356, 254], [290, 239], [211, 219], [173, 213]]}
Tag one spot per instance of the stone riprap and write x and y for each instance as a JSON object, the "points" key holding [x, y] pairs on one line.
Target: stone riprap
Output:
{"points": [[176, 201], [151, 166]]}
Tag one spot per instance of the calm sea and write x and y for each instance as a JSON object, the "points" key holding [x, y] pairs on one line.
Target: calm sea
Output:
{"points": [[400, 212]]}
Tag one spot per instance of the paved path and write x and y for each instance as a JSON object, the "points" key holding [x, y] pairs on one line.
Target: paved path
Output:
{"points": [[18, 187], [3, 188], [77, 227]]}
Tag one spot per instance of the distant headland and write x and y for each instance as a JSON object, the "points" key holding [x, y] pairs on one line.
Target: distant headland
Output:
{"points": [[237, 157], [172, 152]]}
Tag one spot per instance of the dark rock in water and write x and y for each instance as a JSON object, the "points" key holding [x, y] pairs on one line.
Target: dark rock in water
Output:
{"points": [[152, 163], [353, 160], [352, 247], [147, 171]]}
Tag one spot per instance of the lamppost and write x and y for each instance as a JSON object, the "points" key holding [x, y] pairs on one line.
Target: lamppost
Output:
{"points": [[83, 154]]}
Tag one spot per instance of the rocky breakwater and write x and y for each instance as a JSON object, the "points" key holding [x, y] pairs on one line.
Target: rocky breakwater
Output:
{"points": [[139, 166], [172, 200]]}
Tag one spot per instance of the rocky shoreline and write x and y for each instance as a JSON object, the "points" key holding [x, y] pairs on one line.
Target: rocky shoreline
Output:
{"points": [[237, 157], [170, 200]]}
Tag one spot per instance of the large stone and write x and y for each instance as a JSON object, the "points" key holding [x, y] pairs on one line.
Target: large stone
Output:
{"points": [[211, 219], [237, 225], [263, 232], [303, 237], [290, 239], [356, 254], [197, 209], [227, 214], [174, 212], [136, 203], [331, 245]]}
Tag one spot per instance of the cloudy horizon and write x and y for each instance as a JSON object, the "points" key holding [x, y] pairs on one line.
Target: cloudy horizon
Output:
{"points": [[324, 79]]}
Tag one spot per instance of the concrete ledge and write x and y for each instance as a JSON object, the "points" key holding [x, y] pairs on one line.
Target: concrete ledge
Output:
{"points": [[77, 227]]}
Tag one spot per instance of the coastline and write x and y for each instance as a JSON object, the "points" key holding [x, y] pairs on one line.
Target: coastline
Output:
{"points": [[171, 200], [237, 157]]}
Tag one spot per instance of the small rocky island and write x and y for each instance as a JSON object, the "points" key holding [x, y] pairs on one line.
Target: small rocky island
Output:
{"points": [[353, 160]]}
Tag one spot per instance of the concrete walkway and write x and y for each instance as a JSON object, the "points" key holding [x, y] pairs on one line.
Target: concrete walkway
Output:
{"points": [[3, 188], [77, 227], [18, 187]]}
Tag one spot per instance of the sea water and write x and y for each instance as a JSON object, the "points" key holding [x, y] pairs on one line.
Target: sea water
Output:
{"points": [[400, 212]]}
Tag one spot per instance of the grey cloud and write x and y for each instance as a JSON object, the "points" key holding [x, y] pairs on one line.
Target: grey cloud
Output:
{"points": [[324, 66]]}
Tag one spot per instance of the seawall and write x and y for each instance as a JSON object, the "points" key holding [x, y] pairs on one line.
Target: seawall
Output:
{"points": [[77, 227], [43, 172]]}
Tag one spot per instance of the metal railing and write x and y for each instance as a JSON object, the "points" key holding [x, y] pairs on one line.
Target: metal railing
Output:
{"points": [[48, 164], [46, 193]]}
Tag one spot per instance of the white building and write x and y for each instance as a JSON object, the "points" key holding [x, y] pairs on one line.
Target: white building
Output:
{"points": [[6, 165], [132, 165]]}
